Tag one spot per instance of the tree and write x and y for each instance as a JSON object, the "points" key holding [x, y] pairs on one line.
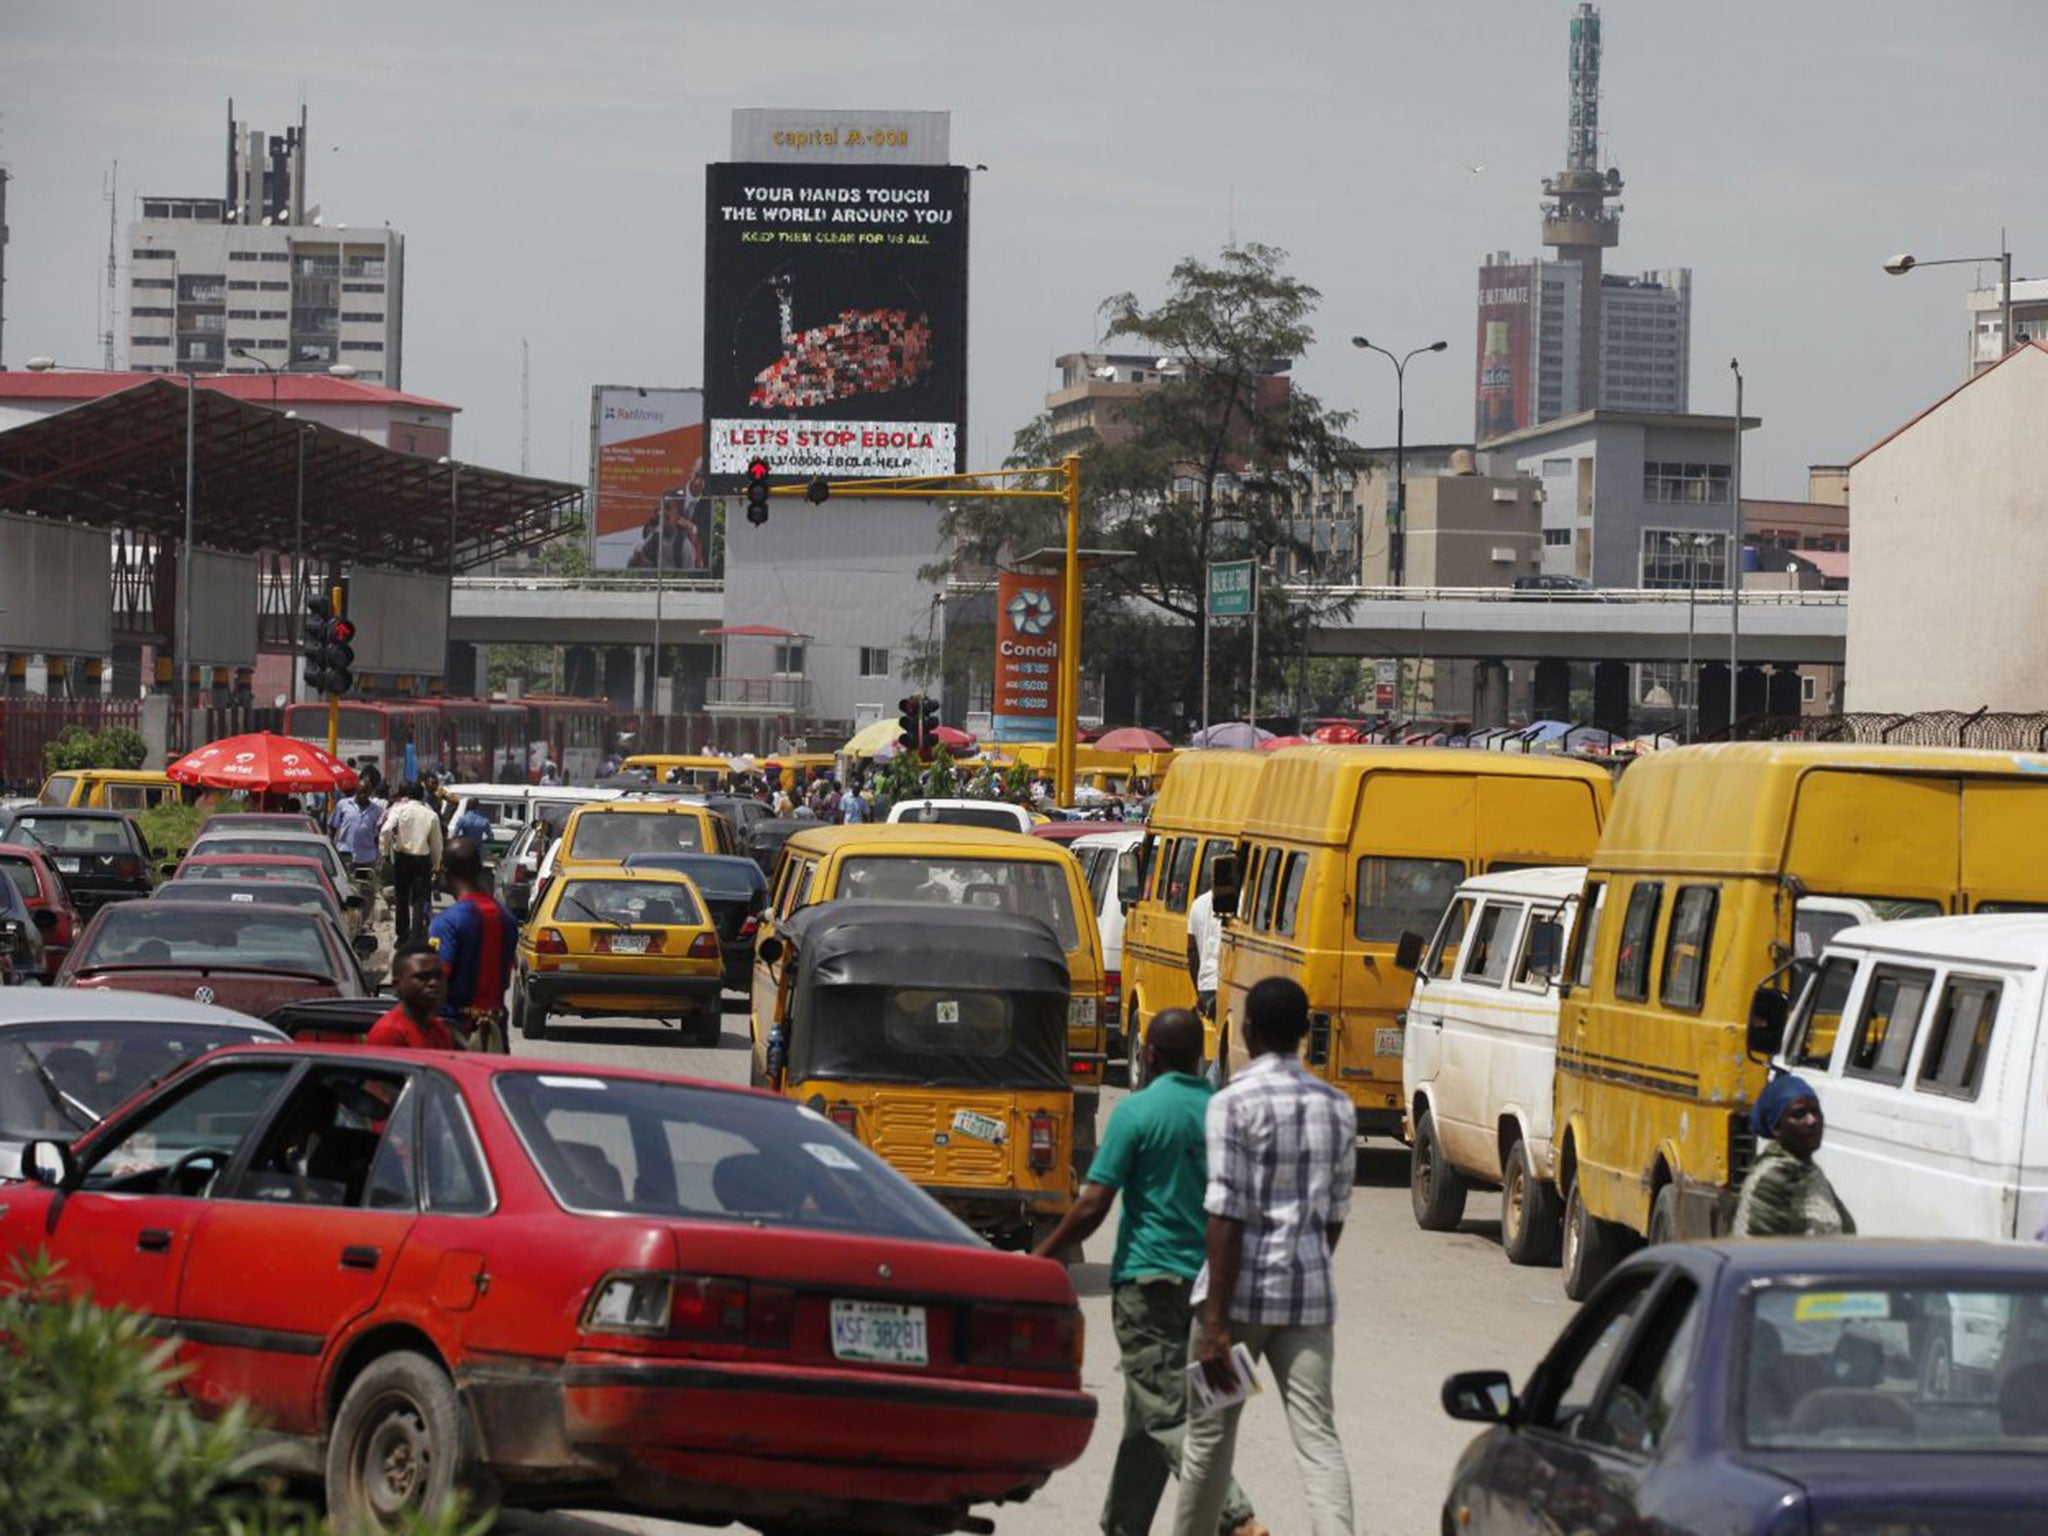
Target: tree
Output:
{"points": [[75, 747], [1215, 465]]}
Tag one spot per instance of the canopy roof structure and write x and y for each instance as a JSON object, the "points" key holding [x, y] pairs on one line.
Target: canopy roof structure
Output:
{"points": [[119, 462]]}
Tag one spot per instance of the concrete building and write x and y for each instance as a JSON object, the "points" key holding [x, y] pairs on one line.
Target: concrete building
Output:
{"points": [[1624, 490], [1950, 545], [1986, 343], [1093, 387], [1340, 524], [1466, 529], [254, 271]]}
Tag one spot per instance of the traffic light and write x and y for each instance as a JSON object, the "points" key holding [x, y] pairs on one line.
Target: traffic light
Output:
{"points": [[330, 648], [757, 492], [917, 718], [818, 491]]}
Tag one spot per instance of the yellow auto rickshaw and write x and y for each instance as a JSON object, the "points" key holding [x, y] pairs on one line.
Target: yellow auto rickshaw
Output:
{"points": [[937, 1036]]}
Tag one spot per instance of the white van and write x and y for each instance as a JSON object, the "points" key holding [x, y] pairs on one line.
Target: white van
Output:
{"points": [[992, 815], [1109, 863], [1926, 1041], [509, 807], [1480, 1052]]}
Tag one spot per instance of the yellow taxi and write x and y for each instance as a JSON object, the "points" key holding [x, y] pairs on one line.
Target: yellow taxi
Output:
{"points": [[604, 941], [108, 789]]}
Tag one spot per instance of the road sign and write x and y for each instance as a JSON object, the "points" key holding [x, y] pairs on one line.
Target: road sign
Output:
{"points": [[1386, 673], [1230, 589]]}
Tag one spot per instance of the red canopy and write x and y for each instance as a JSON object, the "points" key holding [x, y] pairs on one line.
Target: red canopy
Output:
{"points": [[1340, 735], [1277, 742], [262, 762], [1133, 738], [953, 740]]}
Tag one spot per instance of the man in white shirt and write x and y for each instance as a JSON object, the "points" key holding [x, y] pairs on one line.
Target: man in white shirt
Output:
{"points": [[410, 842], [1205, 932]]}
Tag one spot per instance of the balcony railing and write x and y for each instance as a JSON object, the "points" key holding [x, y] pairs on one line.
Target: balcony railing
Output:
{"points": [[764, 695]]}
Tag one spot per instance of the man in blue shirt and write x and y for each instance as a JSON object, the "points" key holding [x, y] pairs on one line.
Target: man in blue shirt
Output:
{"points": [[1153, 1150], [474, 936], [355, 824]]}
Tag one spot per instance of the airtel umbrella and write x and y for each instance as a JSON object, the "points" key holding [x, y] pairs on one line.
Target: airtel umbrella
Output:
{"points": [[1275, 743], [262, 763], [1340, 735]]}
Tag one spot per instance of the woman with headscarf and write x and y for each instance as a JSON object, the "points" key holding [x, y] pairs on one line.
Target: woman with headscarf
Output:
{"points": [[1785, 1195]]}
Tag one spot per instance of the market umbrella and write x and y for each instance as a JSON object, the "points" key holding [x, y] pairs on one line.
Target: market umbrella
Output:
{"points": [[1133, 738], [1336, 735], [1232, 733], [262, 762], [954, 741], [869, 739], [1275, 743]]}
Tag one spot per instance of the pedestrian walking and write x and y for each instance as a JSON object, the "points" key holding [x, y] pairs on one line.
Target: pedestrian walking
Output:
{"points": [[1152, 1152], [415, 1021], [356, 821], [472, 824], [550, 775], [474, 937], [410, 842], [1786, 1194], [1205, 931], [1282, 1153]]}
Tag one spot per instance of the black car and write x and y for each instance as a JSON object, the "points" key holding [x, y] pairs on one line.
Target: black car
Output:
{"points": [[734, 889], [1565, 587], [1798, 1385], [100, 856], [741, 810], [22, 957], [764, 839]]}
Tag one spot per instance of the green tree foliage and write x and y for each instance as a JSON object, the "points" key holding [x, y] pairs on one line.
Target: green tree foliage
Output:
{"points": [[1216, 464], [75, 747]]}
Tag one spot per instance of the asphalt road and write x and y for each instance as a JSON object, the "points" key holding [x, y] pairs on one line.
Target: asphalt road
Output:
{"points": [[1413, 1306]]}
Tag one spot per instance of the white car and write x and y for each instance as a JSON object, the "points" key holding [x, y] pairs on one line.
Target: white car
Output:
{"points": [[1109, 862], [509, 807], [1479, 1055], [995, 815]]}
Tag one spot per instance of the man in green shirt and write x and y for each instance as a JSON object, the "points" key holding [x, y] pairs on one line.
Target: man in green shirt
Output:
{"points": [[1153, 1152]]}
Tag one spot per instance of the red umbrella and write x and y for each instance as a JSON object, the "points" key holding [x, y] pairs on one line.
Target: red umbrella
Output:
{"points": [[262, 762], [953, 740], [1133, 738], [1340, 735], [1277, 742]]}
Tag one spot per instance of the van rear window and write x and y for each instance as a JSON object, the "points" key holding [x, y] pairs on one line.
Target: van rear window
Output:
{"points": [[1395, 895], [1892, 1006], [1953, 1063], [1638, 933]]}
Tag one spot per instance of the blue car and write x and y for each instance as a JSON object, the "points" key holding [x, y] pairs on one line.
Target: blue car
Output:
{"points": [[1784, 1388]]}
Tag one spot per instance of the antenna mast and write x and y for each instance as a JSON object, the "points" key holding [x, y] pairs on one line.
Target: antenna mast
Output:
{"points": [[111, 193]]}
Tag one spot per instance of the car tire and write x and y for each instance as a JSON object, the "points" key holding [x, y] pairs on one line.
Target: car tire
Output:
{"points": [[1591, 1246], [533, 1018], [400, 1448], [1531, 1216], [1436, 1190], [1134, 1072], [1664, 1216]]}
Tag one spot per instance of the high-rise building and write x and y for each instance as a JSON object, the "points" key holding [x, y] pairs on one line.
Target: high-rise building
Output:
{"points": [[253, 278]]}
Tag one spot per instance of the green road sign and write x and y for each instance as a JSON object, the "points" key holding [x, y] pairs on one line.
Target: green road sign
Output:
{"points": [[1230, 589]]}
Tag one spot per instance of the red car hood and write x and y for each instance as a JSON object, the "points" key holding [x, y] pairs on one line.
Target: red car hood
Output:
{"points": [[251, 992]]}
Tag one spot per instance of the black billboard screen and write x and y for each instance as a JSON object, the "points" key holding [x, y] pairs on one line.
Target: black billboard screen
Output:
{"points": [[835, 319]]}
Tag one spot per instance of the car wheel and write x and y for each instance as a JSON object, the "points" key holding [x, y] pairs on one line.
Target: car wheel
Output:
{"points": [[1530, 1213], [399, 1447], [1436, 1191], [1591, 1246], [1664, 1216], [533, 1018], [1134, 1046]]}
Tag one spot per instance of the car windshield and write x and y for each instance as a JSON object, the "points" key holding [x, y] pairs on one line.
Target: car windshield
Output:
{"points": [[302, 895], [77, 834], [611, 837], [303, 870], [262, 842], [22, 874], [655, 903], [1029, 888], [60, 1079], [1889, 1368], [144, 935], [669, 1149]]}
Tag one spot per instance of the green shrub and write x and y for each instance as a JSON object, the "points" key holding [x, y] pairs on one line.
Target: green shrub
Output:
{"points": [[76, 747], [171, 828]]}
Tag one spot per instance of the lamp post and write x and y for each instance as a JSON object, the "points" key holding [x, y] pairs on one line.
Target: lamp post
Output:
{"points": [[1397, 554], [1735, 563], [270, 368], [1901, 264]]}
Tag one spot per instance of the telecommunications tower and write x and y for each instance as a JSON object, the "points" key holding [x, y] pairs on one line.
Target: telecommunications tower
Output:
{"points": [[1577, 221]]}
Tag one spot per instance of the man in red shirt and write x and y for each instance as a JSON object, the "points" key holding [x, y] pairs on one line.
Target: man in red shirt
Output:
{"points": [[416, 1023]]}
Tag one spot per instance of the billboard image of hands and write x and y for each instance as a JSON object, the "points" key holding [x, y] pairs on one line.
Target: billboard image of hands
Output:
{"points": [[835, 326]]}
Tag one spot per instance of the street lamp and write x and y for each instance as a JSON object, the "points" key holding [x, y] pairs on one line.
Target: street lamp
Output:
{"points": [[1397, 561], [1901, 264], [270, 368]]}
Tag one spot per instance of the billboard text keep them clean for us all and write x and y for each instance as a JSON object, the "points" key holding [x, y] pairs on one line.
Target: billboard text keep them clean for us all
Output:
{"points": [[651, 508], [835, 324]]}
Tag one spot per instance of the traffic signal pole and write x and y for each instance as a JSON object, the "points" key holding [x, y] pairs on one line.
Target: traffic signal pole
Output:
{"points": [[334, 699], [1066, 490]]}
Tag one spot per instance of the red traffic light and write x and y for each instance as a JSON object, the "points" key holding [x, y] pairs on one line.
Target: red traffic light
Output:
{"points": [[341, 631], [757, 472]]}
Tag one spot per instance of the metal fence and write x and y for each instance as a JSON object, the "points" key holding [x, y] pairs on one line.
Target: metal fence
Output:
{"points": [[27, 724], [1994, 730]]}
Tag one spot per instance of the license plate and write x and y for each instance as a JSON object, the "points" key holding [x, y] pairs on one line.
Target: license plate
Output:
{"points": [[629, 944], [878, 1332], [1386, 1042], [981, 1127], [67, 866]]}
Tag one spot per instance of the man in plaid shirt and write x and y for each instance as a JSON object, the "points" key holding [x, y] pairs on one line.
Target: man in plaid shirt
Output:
{"points": [[1282, 1150]]}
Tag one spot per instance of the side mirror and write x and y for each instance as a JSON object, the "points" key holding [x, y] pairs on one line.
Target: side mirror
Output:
{"points": [[769, 950], [48, 1163], [517, 901], [1481, 1397], [1127, 888], [1769, 1010], [1408, 950], [364, 944], [168, 869], [1546, 939]]}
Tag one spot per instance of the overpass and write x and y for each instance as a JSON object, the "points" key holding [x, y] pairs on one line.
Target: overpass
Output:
{"points": [[1482, 623]]}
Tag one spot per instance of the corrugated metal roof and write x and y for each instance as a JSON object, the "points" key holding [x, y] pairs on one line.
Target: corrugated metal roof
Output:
{"points": [[256, 388]]}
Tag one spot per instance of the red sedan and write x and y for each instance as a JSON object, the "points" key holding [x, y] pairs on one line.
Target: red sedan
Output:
{"points": [[28, 866], [546, 1284], [247, 957]]}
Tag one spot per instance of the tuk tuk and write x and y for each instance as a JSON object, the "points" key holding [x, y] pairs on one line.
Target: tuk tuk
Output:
{"points": [[937, 1036]]}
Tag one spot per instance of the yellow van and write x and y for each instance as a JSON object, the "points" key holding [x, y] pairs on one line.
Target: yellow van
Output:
{"points": [[1094, 767], [108, 789], [705, 774], [1720, 865], [1346, 850], [1199, 816], [953, 866], [612, 831]]}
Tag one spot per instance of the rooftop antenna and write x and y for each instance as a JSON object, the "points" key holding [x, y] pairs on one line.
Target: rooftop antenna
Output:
{"points": [[110, 194], [525, 414]]}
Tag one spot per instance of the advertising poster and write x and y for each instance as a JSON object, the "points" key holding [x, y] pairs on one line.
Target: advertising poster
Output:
{"points": [[835, 319], [651, 504], [1505, 395], [1027, 656]]}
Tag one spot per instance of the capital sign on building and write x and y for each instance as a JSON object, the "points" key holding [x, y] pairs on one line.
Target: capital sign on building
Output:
{"points": [[1027, 656]]}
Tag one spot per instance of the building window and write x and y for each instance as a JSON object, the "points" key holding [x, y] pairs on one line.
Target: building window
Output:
{"points": [[149, 312], [154, 282], [874, 661], [1557, 466], [149, 341], [362, 346], [275, 287], [152, 255], [1674, 557], [362, 316], [270, 314], [789, 659], [277, 255], [1705, 484], [242, 286], [1809, 690], [362, 287], [241, 255], [233, 314], [1554, 537]]}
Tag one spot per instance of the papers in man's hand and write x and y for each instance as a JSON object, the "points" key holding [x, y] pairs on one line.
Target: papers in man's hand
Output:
{"points": [[1203, 1398]]}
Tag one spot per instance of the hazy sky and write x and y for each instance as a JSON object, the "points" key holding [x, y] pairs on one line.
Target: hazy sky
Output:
{"points": [[545, 164]]}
